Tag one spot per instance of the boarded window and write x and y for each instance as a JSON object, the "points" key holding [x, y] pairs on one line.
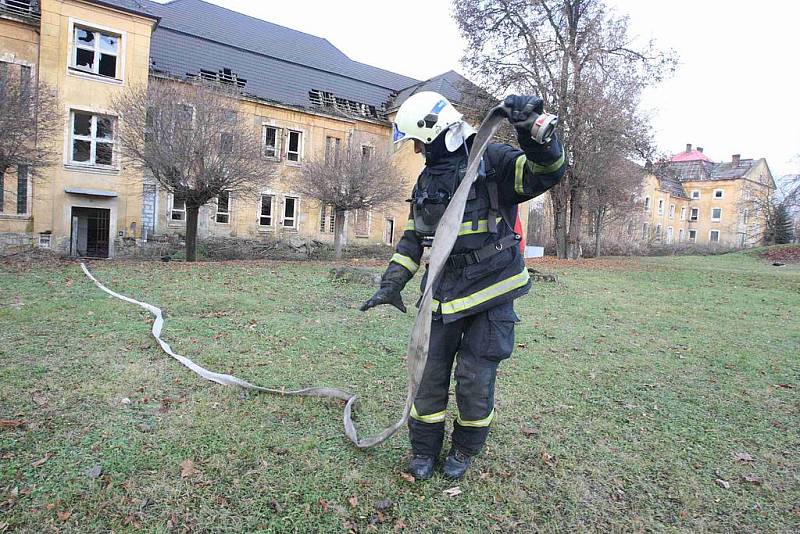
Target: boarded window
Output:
{"points": [[362, 223], [265, 211]]}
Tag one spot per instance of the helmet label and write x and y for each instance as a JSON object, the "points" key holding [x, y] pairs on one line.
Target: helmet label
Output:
{"points": [[439, 106], [397, 135]]}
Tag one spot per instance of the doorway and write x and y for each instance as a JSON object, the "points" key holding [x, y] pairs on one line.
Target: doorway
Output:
{"points": [[388, 233], [90, 232]]}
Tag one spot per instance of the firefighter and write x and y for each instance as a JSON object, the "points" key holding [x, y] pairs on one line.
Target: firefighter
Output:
{"points": [[473, 310]]}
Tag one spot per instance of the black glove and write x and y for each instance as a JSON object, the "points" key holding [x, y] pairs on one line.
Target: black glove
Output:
{"points": [[392, 283], [523, 110]]}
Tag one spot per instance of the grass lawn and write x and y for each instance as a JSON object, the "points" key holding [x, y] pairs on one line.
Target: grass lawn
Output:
{"points": [[652, 394]]}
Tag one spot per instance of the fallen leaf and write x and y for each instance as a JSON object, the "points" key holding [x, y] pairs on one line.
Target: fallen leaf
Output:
{"points": [[399, 525], [743, 457], [41, 462], [383, 504], [753, 479], [11, 423], [324, 504], [408, 477], [94, 471], [529, 431], [64, 516], [452, 492], [723, 483], [548, 458], [353, 501], [187, 468], [49, 506]]}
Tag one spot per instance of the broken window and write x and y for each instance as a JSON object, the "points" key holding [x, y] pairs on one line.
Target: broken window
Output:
{"points": [[327, 219], [265, 211], [22, 189], [367, 152], [92, 139], [272, 136], [332, 145], [95, 52], [295, 145], [177, 211], [290, 212], [225, 76], [329, 100], [223, 207]]}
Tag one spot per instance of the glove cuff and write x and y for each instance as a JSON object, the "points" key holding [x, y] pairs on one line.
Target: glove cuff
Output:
{"points": [[541, 154], [395, 277]]}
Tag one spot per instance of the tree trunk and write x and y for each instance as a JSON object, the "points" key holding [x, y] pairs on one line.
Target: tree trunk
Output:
{"points": [[559, 201], [575, 216], [191, 232], [598, 226], [338, 233], [3, 169]]}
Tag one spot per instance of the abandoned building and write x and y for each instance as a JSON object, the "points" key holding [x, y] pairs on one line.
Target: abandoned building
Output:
{"points": [[300, 92]]}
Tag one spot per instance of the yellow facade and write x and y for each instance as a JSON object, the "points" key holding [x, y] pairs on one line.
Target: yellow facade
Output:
{"points": [[665, 218]]}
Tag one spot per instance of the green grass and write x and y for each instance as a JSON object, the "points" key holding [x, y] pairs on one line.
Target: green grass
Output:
{"points": [[634, 385]]}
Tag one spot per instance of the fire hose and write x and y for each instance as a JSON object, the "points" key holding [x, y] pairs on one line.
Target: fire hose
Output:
{"points": [[417, 351]]}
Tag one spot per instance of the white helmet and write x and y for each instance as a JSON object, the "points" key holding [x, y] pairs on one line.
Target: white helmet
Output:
{"points": [[424, 116]]}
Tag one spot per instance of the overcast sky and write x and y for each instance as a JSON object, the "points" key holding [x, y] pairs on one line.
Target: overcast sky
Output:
{"points": [[736, 89]]}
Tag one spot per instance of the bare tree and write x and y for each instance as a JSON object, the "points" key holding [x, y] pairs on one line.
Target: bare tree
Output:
{"points": [[573, 54], [351, 179], [191, 139], [29, 119], [612, 194], [769, 210]]}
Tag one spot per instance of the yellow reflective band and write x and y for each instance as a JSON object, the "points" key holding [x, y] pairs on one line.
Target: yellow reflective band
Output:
{"points": [[410, 225], [486, 294], [437, 417], [553, 167], [483, 226], [406, 262], [518, 174], [486, 421]]}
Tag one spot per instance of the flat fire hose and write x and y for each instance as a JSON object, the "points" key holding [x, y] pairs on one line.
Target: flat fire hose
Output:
{"points": [[417, 352]]}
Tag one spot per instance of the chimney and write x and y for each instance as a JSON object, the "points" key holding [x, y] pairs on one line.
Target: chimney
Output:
{"points": [[736, 158], [688, 147], [700, 149]]}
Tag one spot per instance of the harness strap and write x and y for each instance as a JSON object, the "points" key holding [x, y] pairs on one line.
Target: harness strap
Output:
{"points": [[494, 204], [459, 261]]}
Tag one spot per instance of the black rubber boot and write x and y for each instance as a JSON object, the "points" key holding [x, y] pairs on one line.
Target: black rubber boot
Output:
{"points": [[421, 466], [456, 464]]}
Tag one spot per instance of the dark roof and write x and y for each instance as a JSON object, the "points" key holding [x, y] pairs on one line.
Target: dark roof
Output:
{"points": [[269, 61], [673, 187], [727, 171], [131, 6], [451, 85], [699, 170]]}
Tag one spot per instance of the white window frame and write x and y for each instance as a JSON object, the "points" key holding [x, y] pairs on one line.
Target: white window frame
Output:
{"points": [[171, 211], [294, 219], [681, 233], [692, 236], [721, 193], [718, 236], [301, 142], [696, 216], [670, 234], [73, 70], [695, 194], [646, 203], [716, 219], [672, 211], [276, 156], [92, 139], [661, 206], [683, 213], [271, 210], [227, 214], [370, 151], [45, 240]]}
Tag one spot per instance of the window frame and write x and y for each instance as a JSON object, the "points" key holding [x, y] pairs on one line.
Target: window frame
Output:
{"points": [[92, 139], [71, 66], [23, 178], [172, 210], [227, 213], [681, 233], [276, 155], [694, 196], [356, 222], [661, 206], [672, 211], [710, 232], [272, 198], [327, 219], [696, 216], [647, 204], [692, 238], [721, 194], [716, 219], [670, 234], [683, 213], [300, 143], [294, 219]]}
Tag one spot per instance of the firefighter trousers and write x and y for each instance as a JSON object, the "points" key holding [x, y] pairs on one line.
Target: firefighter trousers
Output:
{"points": [[477, 343]]}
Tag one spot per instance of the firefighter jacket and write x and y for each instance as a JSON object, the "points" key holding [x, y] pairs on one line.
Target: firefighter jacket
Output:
{"points": [[473, 281]]}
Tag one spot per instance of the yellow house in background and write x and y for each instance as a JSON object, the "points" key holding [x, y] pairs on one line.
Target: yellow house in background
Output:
{"points": [[299, 92], [692, 200]]}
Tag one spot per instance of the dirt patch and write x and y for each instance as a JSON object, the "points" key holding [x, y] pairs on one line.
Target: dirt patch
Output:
{"points": [[783, 254], [30, 258], [603, 264]]}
